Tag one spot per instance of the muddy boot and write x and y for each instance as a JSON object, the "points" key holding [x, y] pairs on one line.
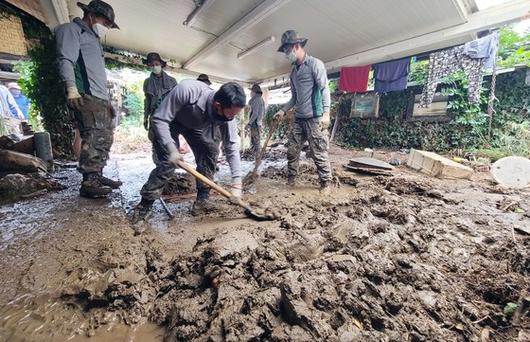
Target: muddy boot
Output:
{"points": [[325, 188], [141, 212], [291, 181], [109, 182], [92, 187], [202, 206]]}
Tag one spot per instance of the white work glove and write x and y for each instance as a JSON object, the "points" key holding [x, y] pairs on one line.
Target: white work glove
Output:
{"points": [[279, 116], [174, 155], [73, 98], [324, 121], [237, 187]]}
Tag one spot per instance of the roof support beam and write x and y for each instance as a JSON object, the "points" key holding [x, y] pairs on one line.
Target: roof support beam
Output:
{"points": [[493, 17], [260, 12]]}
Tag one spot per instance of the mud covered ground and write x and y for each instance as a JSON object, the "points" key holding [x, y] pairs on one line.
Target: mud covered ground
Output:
{"points": [[401, 258]]}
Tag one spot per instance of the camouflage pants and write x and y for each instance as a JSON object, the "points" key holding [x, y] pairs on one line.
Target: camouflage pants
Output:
{"points": [[255, 141], [95, 123], [308, 130], [206, 151]]}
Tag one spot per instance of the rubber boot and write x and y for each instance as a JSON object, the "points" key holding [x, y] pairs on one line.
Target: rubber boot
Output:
{"points": [[142, 211], [325, 188], [91, 187], [109, 182], [203, 204]]}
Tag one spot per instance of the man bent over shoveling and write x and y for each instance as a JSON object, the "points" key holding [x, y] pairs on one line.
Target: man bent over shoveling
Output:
{"points": [[189, 109]]}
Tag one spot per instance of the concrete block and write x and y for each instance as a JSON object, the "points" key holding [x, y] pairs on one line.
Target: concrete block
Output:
{"points": [[435, 165]]}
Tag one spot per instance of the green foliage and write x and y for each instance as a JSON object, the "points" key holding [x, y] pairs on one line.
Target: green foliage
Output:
{"points": [[134, 104], [419, 71], [513, 48], [43, 86]]}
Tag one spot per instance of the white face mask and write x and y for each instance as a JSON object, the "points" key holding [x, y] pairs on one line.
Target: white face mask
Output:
{"points": [[157, 69], [100, 30], [291, 56]]}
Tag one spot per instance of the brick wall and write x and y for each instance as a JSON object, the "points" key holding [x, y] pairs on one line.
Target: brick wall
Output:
{"points": [[12, 36]]}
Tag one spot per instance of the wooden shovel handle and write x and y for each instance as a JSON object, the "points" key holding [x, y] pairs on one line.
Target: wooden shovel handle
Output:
{"points": [[272, 129], [189, 169]]}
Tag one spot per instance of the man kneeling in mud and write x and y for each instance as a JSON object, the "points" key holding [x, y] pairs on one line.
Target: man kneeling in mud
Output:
{"points": [[190, 109]]}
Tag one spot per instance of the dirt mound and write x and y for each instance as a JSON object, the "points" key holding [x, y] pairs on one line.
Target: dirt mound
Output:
{"points": [[17, 186], [371, 266], [180, 184]]}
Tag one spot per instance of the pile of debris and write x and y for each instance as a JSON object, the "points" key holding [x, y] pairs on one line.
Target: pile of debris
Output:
{"points": [[312, 276], [22, 174]]}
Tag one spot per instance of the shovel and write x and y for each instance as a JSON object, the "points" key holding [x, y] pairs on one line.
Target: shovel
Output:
{"points": [[234, 200], [252, 176]]}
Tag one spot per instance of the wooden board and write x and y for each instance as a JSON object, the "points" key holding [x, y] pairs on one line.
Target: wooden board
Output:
{"points": [[369, 171], [435, 165], [370, 163]]}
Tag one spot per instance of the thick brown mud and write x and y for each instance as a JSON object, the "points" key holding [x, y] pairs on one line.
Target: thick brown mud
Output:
{"points": [[400, 258]]}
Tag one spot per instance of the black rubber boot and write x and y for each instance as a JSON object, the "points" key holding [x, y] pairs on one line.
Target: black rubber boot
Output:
{"points": [[92, 187], [109, 182], [141, 212]]}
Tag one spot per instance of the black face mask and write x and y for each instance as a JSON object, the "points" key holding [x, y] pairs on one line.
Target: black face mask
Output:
{"points": [[220, 118]]}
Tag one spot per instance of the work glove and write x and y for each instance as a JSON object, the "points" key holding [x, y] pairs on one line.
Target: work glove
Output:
{"points": [[279, 116], [237, 187], [174, 155], [324, 121], [73, 98]]}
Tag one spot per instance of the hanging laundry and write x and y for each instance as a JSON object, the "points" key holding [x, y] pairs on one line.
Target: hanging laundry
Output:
{"points": [[445, 62], [354, 79], [485, 47], [392, 76]]}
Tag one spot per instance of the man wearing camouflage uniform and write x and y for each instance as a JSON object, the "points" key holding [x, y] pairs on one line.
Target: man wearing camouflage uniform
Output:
{"points": [[311, 100], [201, 115], [257, 110], [82, 67]]}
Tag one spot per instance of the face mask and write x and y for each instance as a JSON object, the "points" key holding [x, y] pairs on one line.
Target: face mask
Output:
{"points": [[15, 92], [291, 56], [100, 30], [157, 69], [220, 118]]}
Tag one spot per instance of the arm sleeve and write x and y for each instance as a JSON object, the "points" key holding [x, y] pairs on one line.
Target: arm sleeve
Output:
{"points": [[231, 149], [321, 78], [257, 108], [67, 40], [292, 101], [167, 112], [147, 100]]}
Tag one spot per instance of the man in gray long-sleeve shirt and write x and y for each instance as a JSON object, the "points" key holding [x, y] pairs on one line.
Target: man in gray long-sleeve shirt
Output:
{"points": [[257, 109], [194, 110], [82, 67], [311, 99]]}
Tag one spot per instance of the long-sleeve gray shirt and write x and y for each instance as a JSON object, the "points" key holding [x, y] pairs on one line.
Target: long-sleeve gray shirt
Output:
{"points": [[257, 110], [81, 60], [190, 106], [155, 89], [304, 78]]}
